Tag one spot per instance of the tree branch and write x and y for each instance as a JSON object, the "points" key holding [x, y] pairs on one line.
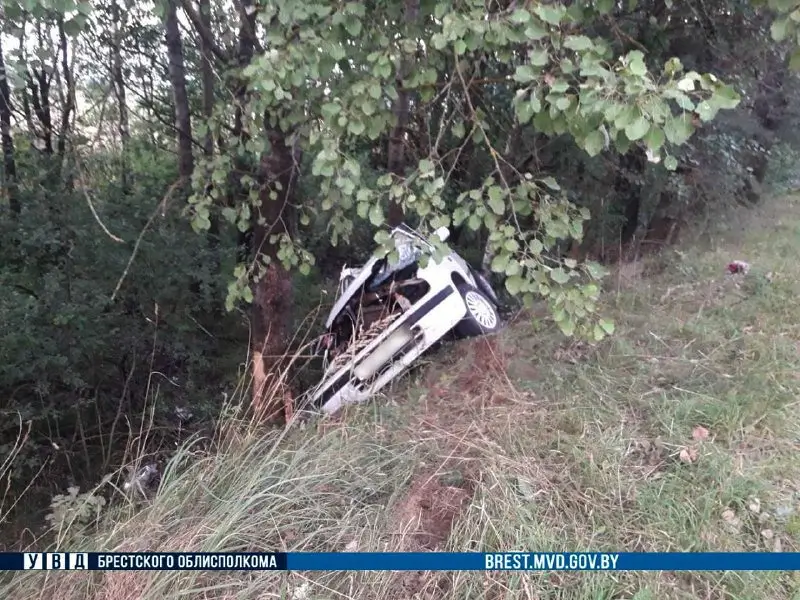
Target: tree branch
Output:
{"points": [[203, 31]]}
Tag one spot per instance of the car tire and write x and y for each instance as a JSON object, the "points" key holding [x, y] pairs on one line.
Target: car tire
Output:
{"points": [[482, 316], [485, 287]]}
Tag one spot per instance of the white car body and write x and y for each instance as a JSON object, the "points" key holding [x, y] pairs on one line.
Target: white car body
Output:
{"points": [[417, 328]]}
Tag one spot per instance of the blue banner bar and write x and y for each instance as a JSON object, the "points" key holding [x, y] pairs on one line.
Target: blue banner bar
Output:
{"points": [[402, 561], [545, 561]]}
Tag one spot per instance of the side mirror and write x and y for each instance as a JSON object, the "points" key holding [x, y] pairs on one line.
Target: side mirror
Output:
{"points": [[443, 233]]}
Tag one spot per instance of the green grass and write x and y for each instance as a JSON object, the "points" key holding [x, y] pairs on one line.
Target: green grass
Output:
{"points": [[521, 442]]}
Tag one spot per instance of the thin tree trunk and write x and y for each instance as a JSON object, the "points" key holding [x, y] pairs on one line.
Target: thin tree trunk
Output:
{"points": [[118, 83], [207, 77], [9, 164], [69, 98], [40, 98], [177, 76], [396, 155], [243, 57], [40, 91], [26, 103], [207, 69]]}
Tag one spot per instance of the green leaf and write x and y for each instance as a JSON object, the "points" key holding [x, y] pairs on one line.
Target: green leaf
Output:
{"points": [[559, 275], [514, 285], [654, 139], [368, 108], [673, 66], [684, 101], [706, 111], [330, 109], [534, 31], [356, 127], [578, 42], [524, 111], [678, 129], [524, 74], [520, 16], [779, 29], [353, 26], [539, 57], [426, 166], [637, 129], [496, 202], [550, 13], [794, 61], [637, 67], [593, 143], [229, 214], [247, 294], [595, 270], [499, 263], [551, 183], [598, 333], [726, 97], [670, 163], [567, 326], [376, 215], [608, 326], [604, 6]]}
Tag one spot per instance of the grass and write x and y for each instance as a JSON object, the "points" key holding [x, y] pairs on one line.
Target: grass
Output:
{"points": [[679, 434]]}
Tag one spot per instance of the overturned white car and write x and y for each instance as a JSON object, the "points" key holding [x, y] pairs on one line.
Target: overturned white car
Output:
{"points": [[386, 315]]}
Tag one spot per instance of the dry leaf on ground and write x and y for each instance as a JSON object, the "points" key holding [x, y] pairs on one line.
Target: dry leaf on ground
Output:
{"points": [[699, 433], [688, 454]]}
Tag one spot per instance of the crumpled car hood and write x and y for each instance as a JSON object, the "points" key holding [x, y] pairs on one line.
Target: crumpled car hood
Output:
{"points": [[351, 290]]}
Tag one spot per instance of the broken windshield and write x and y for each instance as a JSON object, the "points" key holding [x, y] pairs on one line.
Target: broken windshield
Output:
{"points": [[408, 253]]}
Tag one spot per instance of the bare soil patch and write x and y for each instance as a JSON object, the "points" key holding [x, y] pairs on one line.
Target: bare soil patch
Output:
{"points": [[422, 522]]}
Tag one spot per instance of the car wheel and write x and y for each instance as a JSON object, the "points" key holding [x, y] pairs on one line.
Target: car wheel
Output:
{"points": [[481, 317], [485, 287]]}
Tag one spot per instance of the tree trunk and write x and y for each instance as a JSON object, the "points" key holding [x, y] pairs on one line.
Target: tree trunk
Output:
{"points": [[244, 55], [396, 159], [272, 293], [207, 70], [40, 92], [207, 77], [69, 98], [118, 83], [177, 77], [40, 98], [9, 163]]}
